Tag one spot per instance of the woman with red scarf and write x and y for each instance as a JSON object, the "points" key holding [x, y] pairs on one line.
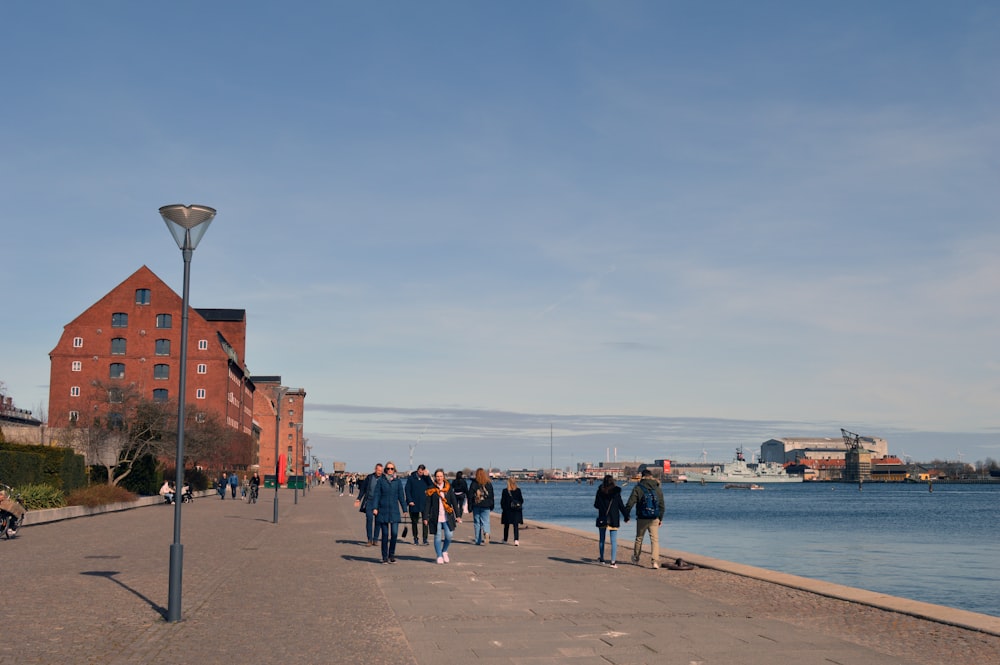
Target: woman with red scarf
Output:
{"points": [[439, 514]]}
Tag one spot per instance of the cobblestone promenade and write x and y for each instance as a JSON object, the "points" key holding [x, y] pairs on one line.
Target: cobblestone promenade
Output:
{"points": [[307, 590]]}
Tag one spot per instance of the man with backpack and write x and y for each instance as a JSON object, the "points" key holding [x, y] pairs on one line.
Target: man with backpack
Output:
{"points": [[647, 497]]}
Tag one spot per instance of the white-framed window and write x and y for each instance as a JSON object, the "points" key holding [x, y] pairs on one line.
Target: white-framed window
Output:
{"points": [[74, 391], [200, 393], [202, 368], [77, 366], [203, 345], [74, 416], [77, 342]]}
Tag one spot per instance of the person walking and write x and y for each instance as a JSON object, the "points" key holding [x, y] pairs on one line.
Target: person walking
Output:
{"points": [[461, 488], [610, 512], [220, 485], [481, 502], [234, 480], [416, 487], [511, 502], [390, 503], [440, 515], [647, 497], [366, 502]]}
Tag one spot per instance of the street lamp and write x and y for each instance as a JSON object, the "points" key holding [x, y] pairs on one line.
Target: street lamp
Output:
{"points": [[298, 438], [187, 225], [279, 394]]}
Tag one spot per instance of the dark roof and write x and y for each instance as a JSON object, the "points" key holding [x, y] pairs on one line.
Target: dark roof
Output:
{"points": [[257, 378], [211, 314]]}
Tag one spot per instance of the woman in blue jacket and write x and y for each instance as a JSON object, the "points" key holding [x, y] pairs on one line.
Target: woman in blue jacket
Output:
{"points": [[390, 504]]}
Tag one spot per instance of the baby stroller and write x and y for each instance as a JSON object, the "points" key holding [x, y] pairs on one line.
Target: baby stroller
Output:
{"points": [[186, 495]]}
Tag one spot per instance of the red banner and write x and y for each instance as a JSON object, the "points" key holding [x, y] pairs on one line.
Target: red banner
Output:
{"points": [[282, 469], [666, 466]]}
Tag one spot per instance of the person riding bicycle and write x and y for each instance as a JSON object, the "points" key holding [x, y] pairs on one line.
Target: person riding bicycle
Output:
{"points": [[254, 487]]}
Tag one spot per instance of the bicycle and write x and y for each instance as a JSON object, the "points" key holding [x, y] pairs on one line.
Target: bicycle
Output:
{"points": [[254, 489], [11, 512]]}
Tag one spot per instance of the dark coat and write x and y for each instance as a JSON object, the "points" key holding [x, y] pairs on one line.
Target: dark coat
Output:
{"points": [[488, 502], [416, 485], [610, 508], [432, 508], [389, 499], [508, 513]]}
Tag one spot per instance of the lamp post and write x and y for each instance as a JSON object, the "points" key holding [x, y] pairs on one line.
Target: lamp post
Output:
{"points": [[279, 394], [301, 468], [187, 224]]}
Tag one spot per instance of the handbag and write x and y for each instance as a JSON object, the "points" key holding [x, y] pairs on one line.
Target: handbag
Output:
{"points": [[364, 503]]}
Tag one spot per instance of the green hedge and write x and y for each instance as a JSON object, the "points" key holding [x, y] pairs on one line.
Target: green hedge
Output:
{"points": [[49, 465]]}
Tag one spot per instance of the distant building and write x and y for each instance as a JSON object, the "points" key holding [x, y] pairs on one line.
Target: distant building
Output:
{"points": [[793, 450], [290, 440], [19, 425]]}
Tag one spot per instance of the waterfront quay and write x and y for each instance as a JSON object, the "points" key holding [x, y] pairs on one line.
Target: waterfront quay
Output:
{"points": [[308, 590]]}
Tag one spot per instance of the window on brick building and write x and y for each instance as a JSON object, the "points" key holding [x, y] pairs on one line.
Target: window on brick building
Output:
{"points": [[199, 417], [117, 371], [200, 393], [160, 395], [116, 421], [118, 346], [202, 368], [115, 396], [163, 347], [164, 321], [119, 320], [74, 416], [161, 371], [77, 366], [74, 391], [142, 296], [77, 342], [203, 345]]}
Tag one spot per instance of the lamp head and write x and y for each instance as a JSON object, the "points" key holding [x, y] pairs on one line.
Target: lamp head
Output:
{"points": [[187, 224]]}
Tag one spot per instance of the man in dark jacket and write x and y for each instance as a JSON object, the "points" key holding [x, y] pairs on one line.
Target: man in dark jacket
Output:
{"points": [[416, 494], [647, 497], [366, 491]]}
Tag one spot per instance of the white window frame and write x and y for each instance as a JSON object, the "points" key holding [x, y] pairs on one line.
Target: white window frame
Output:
{"points": [[77, 342], [77, 366], [203, 345], [200, 393], [202, 368], [74, 391]]}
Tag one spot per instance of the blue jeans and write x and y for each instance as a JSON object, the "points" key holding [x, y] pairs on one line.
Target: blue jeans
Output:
{"points": [[443, 533], [481, 523], [388, 533], [370, 525], [614, 543]]}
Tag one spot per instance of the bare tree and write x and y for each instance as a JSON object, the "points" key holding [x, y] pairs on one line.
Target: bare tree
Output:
{"points": [[123, 427]]}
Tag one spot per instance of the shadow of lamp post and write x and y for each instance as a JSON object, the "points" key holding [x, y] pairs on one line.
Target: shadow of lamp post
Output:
{"points": [[187, 224]]}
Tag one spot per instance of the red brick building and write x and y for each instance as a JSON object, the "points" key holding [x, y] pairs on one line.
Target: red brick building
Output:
{"points": [[285, 417], [131, 337]]}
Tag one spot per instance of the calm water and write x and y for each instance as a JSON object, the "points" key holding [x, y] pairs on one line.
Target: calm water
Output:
{"points": [[939, 547]]}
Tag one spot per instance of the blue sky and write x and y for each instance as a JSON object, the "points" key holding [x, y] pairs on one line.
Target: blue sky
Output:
{"points": [[657, 227]]}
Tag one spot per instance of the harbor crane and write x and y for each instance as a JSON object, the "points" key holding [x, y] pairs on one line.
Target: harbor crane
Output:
{"points": [[852, 440]]}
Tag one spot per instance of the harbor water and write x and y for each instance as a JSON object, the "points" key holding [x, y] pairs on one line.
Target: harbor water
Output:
{"points": [[937, 546]]}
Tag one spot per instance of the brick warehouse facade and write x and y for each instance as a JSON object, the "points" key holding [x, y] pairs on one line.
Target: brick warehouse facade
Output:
{"points": [[131, 337], [267, 410]]}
